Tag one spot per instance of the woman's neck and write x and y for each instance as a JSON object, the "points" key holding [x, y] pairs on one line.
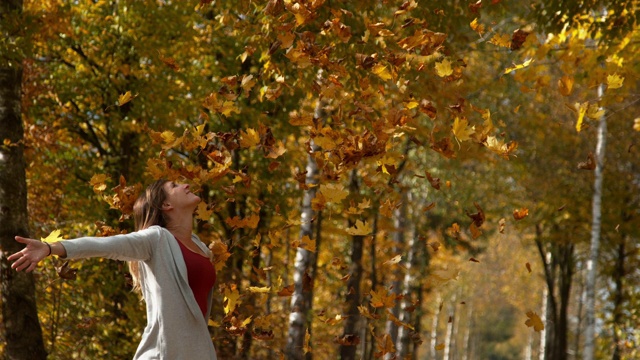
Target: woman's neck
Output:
{"points": [[181, 228]]}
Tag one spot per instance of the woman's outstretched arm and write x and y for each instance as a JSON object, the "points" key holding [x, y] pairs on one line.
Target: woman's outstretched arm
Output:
{"points": [[28, 258]]}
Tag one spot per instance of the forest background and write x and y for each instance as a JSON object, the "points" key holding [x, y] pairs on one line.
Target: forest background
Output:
{"points": [[408, 179]]}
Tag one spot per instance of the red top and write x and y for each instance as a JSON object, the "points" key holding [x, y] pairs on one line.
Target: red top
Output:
{"points": [[201, 275]]}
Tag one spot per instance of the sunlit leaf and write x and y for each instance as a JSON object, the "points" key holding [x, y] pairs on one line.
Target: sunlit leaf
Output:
{"points": [[443, 68], [54, 236], [614, 81], [534, 321]]}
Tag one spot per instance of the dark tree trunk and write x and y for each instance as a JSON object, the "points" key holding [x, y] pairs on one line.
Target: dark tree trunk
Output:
{"points": [[350, 336], [22, 332]]}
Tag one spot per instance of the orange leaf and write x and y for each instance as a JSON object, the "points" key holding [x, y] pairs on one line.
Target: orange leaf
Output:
{"points": [[520, 214], [534, 321]]}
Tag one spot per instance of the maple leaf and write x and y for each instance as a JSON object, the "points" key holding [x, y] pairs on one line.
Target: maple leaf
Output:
{"points": [[440, 277], [334, 193], [54, 236], [439, 347], [382, 298], [502, 40], [614, 81], [203, 212], [518, 38], [231, 299], [443, 68], [287, 290], [582, 111], [477, 27], [305, 243], [435, 182], [520, 214], [397, 321], [98, 182], [249, 138], [300, 119], [219, 253], [461, 129], [360, 229], [534, 321], [348, 340], [384, 346]]}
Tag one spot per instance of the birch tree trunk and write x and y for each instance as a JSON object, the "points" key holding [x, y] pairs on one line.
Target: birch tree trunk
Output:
{"points": [[412, 291], [434, 330], [19, 313], [305, 262], [590, 311]]}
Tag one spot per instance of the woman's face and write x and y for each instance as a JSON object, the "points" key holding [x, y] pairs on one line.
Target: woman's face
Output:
{"points": [[179, 197]]}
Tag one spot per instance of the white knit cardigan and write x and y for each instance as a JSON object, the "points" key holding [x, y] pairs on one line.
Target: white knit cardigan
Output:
{"points": [[176, 329]]}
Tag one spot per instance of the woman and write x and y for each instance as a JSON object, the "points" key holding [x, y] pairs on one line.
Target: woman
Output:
{"points": [[169, 264]]}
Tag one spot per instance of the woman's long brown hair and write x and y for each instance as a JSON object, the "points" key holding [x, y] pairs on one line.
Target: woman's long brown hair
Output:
{"points": [[147, 211]]}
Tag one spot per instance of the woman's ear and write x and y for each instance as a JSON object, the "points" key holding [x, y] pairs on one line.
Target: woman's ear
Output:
{"points": [[166, 206]]}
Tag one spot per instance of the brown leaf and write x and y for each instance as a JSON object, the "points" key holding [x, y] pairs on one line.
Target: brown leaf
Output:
{"points": [[590, 164], [348, 340], [66, 272], [520, 214], [518, 38], [528, 267], [478, 218], [435, 182], [474, 260], [287, 291]]}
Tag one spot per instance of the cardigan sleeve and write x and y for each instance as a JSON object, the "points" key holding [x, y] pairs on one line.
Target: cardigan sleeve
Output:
{"points": [[137, 245]]}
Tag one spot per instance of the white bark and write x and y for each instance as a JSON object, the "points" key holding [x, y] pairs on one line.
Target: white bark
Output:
{"points": [[590, 329]]}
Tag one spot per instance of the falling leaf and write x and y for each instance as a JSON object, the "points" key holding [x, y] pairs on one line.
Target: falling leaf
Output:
{"points": [[66, 272], [125, 98], [384, 346], [501, 225], [636, 124], [307, 338], [528, 266], [590, 164], [249, 138], [614, 81], [520, 214], [203, 211], [382, 298], [565, 85], [261, 290], [360, 229], [443, 68], [439, 347], [518, 67], [461, 129], [582, 111], [394, 260], [474, 260], [231, 299], [98, 182], [534, 321], [477, 27], [382, 71], [287, 290], [502, 40], [348, 340], [334, 193], [518, 38]]}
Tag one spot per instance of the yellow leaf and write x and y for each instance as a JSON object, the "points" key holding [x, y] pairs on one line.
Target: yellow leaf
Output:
{"points": [[125, 98], [382, 71], [307, 337], [307, 244], [262, 290], [565, 85], [440, 347], [462, 130], [98, 182], [394, 260], [443, 68], [636, 124], [231, 300], [203, 212], [477, 27], [518, 67], [213, 323], [53, 237], [334, 193], [249, 138], [595, 111], [502, 40], [360, 229], [614, 81], [534, 321], [582, 111]]}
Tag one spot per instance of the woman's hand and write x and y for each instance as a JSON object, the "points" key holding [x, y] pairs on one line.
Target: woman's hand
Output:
{"points": [[28, 258]]}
